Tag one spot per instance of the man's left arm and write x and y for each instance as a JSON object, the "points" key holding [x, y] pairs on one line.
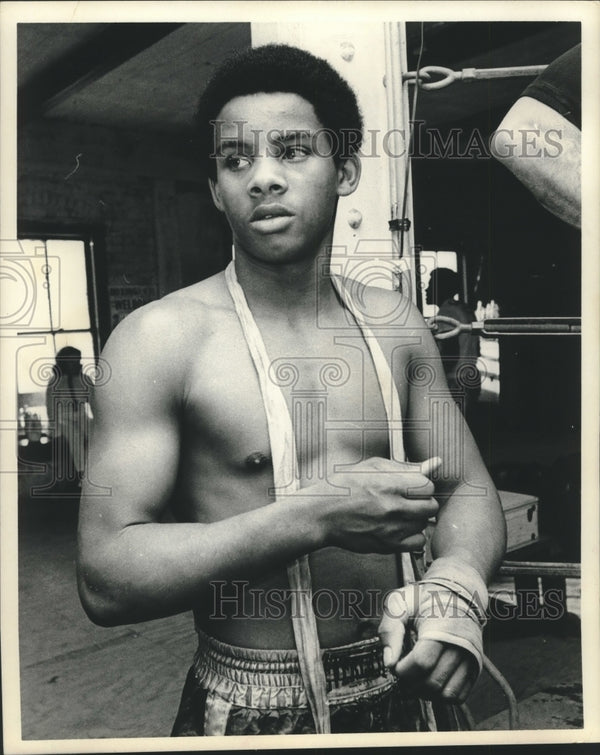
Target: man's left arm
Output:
{"points": [[447, 608]]}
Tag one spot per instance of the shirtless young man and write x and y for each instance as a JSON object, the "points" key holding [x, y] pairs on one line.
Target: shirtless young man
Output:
{"points": [[193, 434]]}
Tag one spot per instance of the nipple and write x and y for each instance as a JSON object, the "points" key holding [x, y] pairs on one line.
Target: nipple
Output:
{"points": [[257, 460]]}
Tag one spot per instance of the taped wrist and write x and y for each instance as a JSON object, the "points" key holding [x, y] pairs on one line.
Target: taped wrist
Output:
{"points": [[452, 599]]}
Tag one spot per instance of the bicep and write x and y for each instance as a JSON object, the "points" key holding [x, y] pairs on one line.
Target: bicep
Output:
{"points": [[434, 424], [134, 445], [131, 471]]}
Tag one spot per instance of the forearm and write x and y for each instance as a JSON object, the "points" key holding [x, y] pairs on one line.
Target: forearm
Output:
{"points": [[149, 570], [471, 527]]}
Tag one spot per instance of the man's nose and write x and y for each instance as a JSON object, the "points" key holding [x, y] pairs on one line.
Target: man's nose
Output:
{"points": [[267, 176]]}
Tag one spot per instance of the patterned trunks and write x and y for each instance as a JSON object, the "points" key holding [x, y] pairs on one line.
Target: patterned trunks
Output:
{"points": [[242, 691]]}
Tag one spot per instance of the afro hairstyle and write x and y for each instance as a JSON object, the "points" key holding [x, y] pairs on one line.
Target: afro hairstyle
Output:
{"points": [[282, 68]]}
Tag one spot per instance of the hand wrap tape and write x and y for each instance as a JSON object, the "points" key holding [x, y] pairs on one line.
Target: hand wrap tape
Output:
{"points": [[448, 605]]}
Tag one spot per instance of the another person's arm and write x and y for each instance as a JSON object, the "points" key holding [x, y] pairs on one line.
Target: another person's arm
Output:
{"points": [[539, 139], [543, 150]]}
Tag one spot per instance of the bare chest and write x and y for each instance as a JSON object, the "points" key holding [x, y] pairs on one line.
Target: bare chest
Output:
{"points": [[329, 384]]}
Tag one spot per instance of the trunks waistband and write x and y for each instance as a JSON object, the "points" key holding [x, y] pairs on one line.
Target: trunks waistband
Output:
{"points": [[271, 678]]}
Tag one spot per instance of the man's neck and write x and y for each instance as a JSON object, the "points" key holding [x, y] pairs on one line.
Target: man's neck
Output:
{"points": [[294, 290]]}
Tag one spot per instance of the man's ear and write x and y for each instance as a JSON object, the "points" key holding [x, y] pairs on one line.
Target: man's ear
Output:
{"points": [[216, 194], [348, 175]]}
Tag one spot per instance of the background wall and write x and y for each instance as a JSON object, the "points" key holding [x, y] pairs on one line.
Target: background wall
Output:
{"points": [[141, 191]]}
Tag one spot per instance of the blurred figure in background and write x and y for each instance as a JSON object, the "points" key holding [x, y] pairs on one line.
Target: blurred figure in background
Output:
{"points": [[459, 353], [69, 415]]}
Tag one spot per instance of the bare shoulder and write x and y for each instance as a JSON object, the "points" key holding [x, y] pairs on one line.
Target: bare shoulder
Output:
{"points": [[395, 320], [151, 353], [163, 327], [384, 308]]}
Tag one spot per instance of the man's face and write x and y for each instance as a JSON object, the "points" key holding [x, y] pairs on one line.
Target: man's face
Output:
{"points": [[430, 291], [276, 181]]}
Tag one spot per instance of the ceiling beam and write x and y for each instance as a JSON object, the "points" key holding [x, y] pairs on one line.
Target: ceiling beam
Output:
{"points": [[94, 58]]}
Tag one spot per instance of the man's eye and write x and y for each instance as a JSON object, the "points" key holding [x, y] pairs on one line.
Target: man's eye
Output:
{"points": [[237, 162], [295, 152]]}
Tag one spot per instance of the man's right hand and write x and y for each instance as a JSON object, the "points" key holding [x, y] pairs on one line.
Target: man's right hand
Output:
{"points": [[385, 509]]}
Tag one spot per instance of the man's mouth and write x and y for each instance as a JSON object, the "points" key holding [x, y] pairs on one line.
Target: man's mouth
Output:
{"points": [[271, 218], [269, 211]]}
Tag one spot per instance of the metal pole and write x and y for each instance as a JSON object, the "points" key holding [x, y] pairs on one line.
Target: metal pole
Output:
{"points": [[399, 158]]}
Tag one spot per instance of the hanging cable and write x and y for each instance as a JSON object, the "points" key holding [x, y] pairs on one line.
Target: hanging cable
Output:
{"points": [[46, 271], [513, 708]]}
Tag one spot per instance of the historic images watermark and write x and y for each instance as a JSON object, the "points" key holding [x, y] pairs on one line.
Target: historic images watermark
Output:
{"points": [[236, 599], [418, 142]]}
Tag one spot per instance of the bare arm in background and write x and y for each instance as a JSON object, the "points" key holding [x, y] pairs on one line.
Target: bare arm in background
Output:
{"points": [[543, 150]]}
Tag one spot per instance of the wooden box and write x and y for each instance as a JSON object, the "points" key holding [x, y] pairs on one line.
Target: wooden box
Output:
{"points": [[521, 514]]}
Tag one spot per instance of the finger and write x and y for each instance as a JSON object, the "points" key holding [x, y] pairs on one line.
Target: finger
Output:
{"points": [[392, 628], [416, 486], [417, 510], [381, 464], [391, 467], [459, 685], [421, 485], [417, 665], [430, 466], [410, 517], [412, 543], [445, 668], [427, 467]]}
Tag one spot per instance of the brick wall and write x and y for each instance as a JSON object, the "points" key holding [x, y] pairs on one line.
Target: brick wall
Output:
{"points": [[142, 190]]}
